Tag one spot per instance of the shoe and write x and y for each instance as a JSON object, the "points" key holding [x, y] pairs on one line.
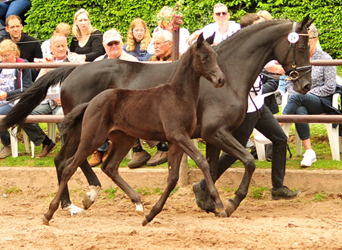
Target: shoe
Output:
{"points": [[139, 158], [159, 158], [46, 150], [5, 151], [284, 193], [106, 153], [200, 195], [95, 159], [309, 158], [201, 199]]}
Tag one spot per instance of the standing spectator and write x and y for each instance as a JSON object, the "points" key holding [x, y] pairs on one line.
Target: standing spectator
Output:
{"points": [[14, 7], [62, 29], [87, 41], [138, 38], [52, 105], [164, 17], [112, 43], [323, 80], [13, 81], [264, 15], [222, 27]]}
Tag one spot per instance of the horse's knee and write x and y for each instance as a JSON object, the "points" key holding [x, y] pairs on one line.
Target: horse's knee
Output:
{"points": [[250, 163]]}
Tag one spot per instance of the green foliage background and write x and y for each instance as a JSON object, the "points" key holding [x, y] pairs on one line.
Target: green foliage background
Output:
{"points": [[44, 15]]}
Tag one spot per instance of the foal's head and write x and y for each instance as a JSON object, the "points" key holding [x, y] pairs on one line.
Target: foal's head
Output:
{"points": [[205, 61]]}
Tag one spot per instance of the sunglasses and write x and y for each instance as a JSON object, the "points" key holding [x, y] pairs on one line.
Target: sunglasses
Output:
{"points": [[116, 43], [221, 13]]}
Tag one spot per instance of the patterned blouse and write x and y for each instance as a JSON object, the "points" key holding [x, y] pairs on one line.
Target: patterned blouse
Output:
{"points": [[323, 78]]}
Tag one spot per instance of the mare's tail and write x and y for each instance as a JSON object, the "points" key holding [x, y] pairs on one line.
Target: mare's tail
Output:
{"points": [[33, 96], [73, 118]]}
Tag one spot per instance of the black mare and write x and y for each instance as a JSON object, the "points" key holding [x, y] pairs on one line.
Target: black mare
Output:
{"points": [[123, 115], [241, 57]]}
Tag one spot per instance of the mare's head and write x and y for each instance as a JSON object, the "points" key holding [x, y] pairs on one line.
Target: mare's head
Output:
{"points": [[293, 54], [205, 61]]}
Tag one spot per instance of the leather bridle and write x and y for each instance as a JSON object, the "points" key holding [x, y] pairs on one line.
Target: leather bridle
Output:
{"points": [[293, 74]]}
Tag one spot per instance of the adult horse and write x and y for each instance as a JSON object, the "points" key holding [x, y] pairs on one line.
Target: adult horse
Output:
{"points": [[122, 111], [241, 57]]}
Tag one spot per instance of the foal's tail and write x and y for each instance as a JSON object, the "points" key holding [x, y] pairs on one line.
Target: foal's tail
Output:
{"points": [[73, 118], [32, 97]]}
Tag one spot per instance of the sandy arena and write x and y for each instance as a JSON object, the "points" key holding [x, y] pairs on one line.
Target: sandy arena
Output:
{"points": [[113, 224]]}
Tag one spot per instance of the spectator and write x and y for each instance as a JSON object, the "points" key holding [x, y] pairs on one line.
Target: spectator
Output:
{"points": [[264, 15], [13, 81], [87, 41], [222, 27], [112, 43], [323, 80], [28, 46], [138, 38], [165, 17], [13, 7], [51, 105], [162, 44], [258, 116], [63, 29]]}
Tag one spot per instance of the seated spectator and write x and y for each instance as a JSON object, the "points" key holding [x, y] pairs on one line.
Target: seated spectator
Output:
{"points": [[87, 41], [138, 38], [162, 44], [264, 15], [13, 81], [29, 46], [13, 7], [51, 105], [222, 27], [323, 80], [165, 17], [112, 43], [63, 29]]}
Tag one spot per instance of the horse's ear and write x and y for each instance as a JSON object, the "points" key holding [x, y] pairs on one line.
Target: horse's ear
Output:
{"points": [[200, 40], [210, 39], [306, 22]]}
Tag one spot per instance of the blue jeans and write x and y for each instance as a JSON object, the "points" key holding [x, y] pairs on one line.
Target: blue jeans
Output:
{"points": [[34, 132], [302, 105], [15, 7], [5, 138]]}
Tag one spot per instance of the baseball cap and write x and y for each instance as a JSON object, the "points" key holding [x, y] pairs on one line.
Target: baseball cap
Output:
{"points": [[111, 35]]}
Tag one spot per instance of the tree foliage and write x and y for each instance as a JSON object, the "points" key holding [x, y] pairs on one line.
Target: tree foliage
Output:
{"points": [[44, 15]]}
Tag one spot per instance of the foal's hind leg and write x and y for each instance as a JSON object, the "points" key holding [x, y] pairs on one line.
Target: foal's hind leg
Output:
{"points": [[174, 159], [121, 144], [189, 148]]}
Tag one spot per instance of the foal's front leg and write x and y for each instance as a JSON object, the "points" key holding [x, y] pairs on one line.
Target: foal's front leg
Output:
{"points": [[190, 149], [174, 159]]}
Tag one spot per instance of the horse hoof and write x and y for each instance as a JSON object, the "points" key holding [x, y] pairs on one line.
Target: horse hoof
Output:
{"points": [[45, 221], [74, 209], [230, 208], [90, 197], [220, 212], [87, 202], [145, 222], [140, 210]]}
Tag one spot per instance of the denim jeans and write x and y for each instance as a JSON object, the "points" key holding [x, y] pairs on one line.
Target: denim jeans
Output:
{"points": [[34, 132], [15, 7], [302, 105], [5, 138]]}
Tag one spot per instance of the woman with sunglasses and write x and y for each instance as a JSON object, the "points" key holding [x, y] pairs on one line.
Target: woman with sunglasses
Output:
{"points": [[222, 27], [87, 41]]}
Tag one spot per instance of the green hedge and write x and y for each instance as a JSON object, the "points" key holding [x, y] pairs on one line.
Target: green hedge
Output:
{"points": [[44, 15]]}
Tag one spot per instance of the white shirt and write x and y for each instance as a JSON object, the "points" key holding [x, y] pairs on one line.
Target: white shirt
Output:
{"points": [[256, 96], [209, 30]]}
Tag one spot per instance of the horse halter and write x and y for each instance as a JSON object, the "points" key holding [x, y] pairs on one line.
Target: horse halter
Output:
{"points": [[293, 74]]}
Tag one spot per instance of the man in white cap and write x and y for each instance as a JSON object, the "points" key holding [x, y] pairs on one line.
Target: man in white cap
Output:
{"points": [[112, 44]]}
